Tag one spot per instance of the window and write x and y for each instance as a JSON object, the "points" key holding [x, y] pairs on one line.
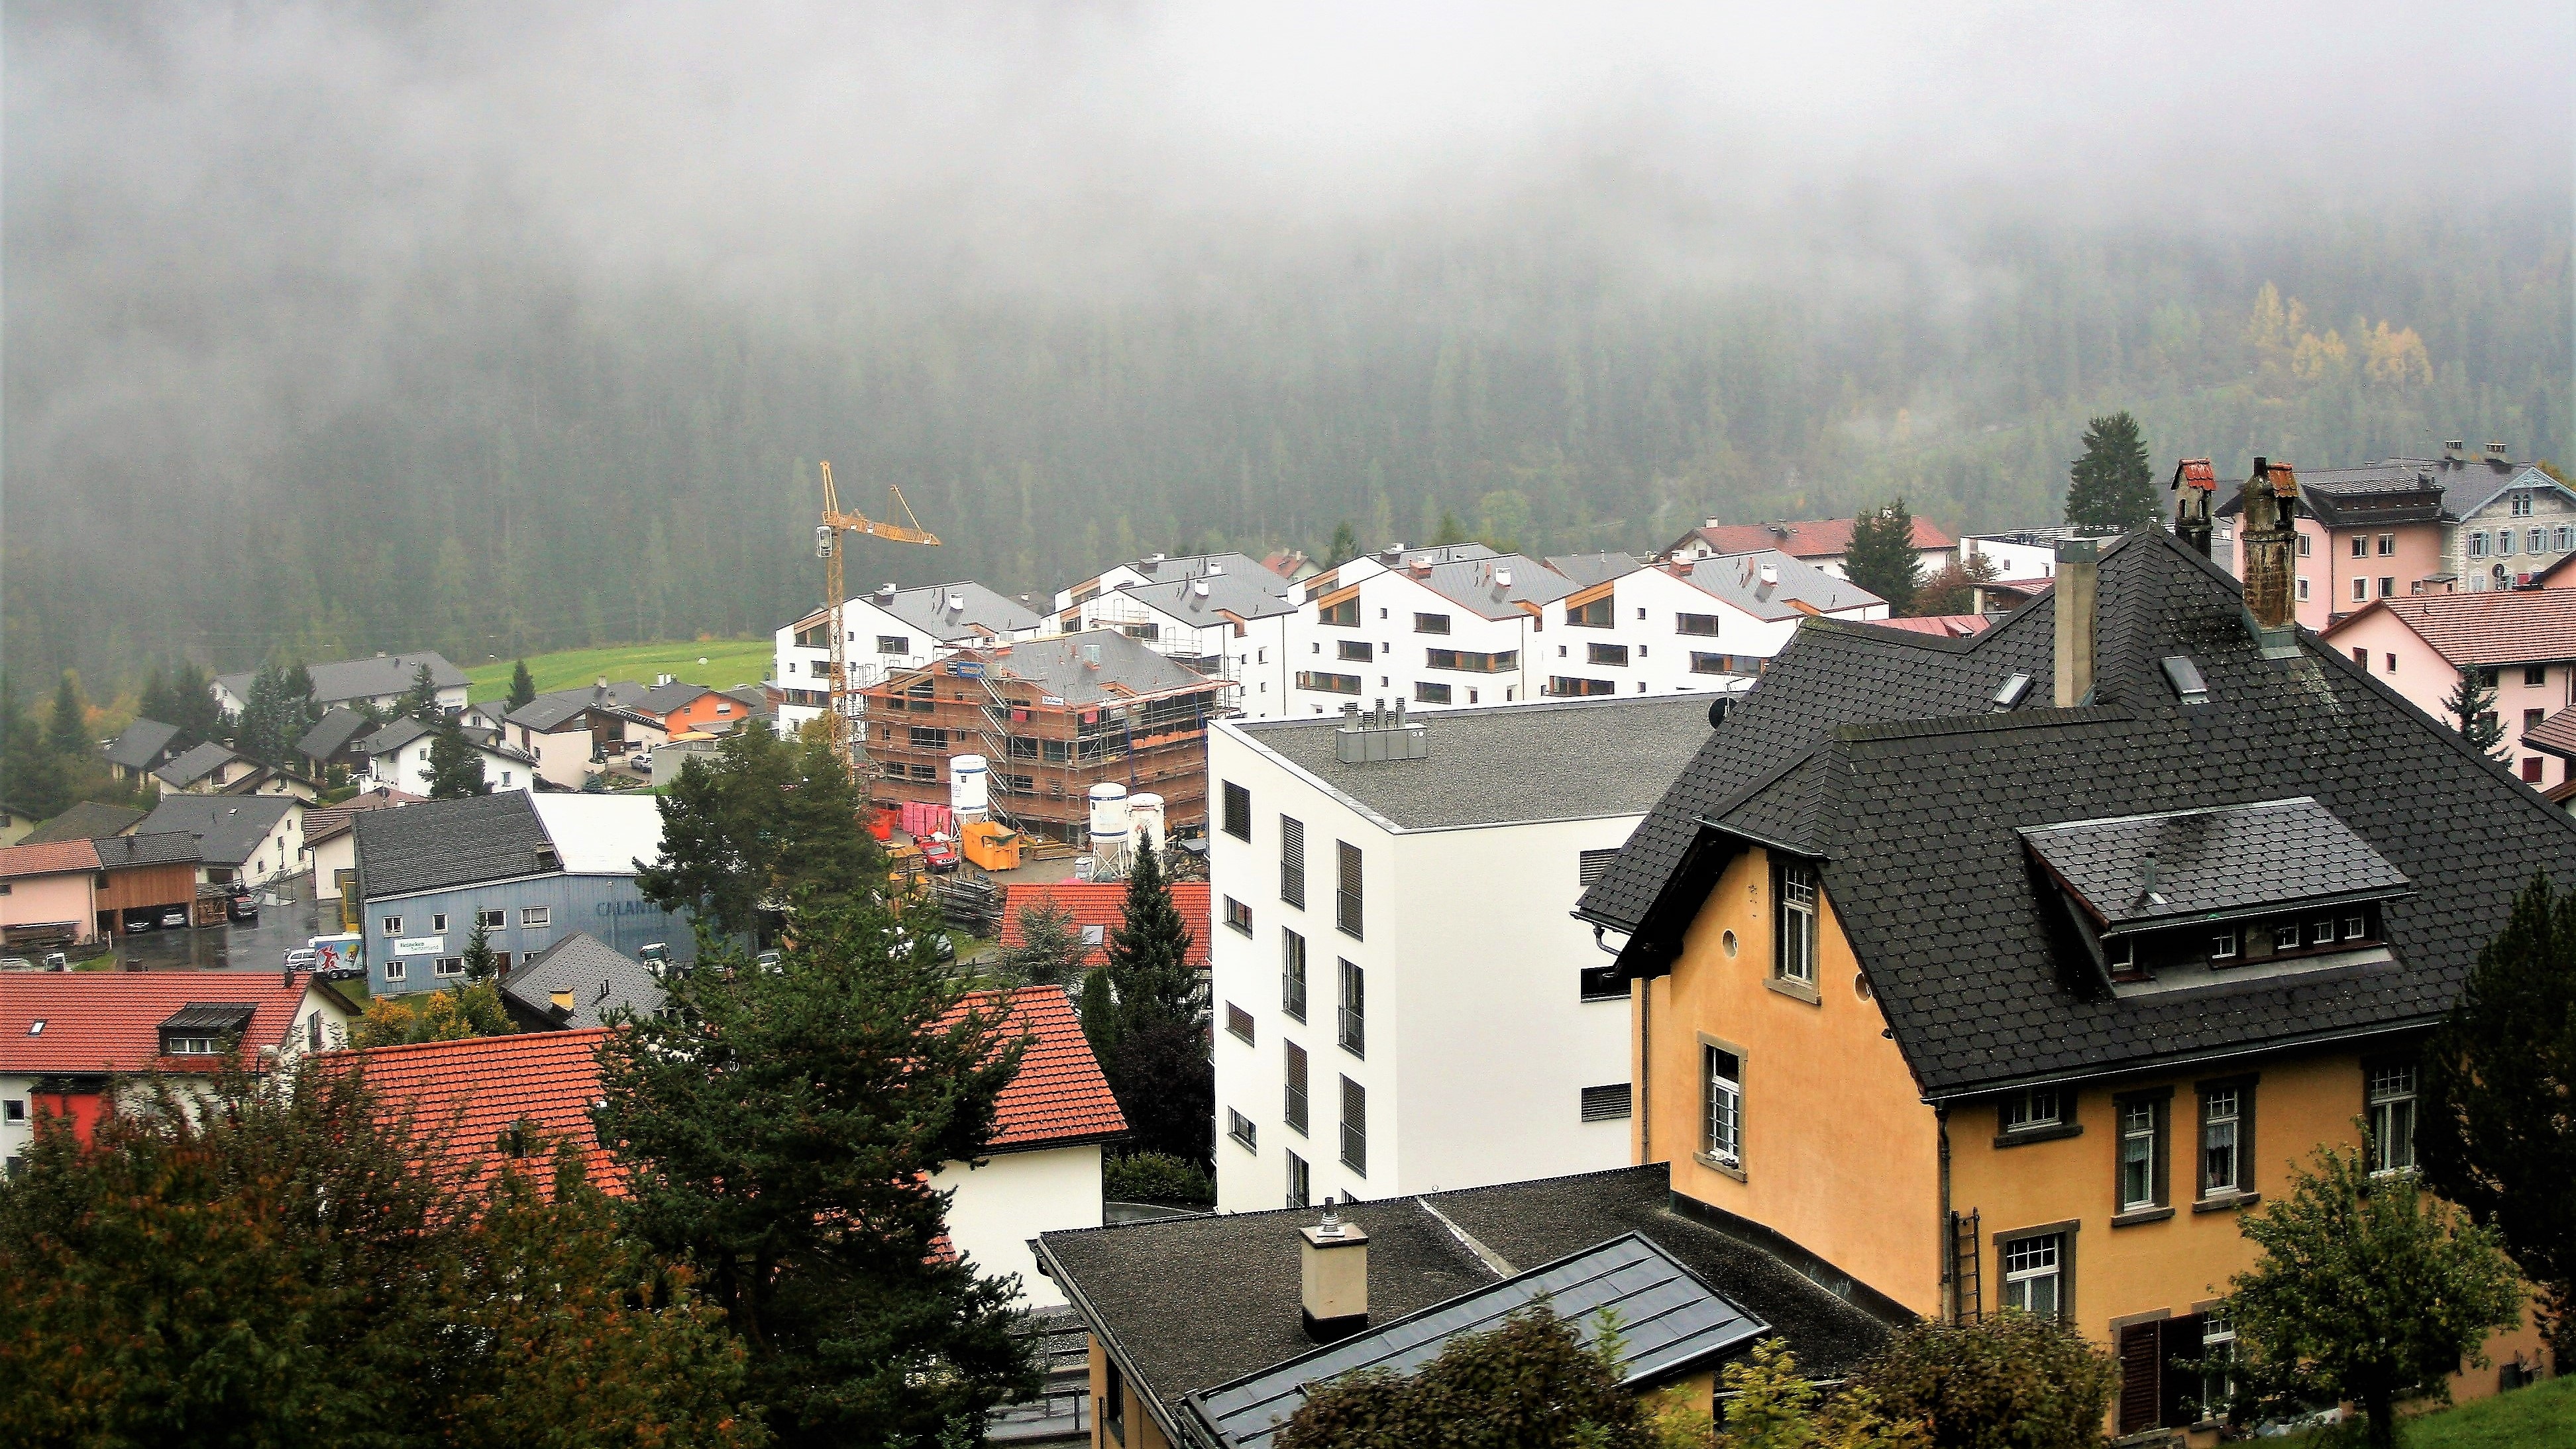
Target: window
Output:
{"points": [[2535, 676], [1355, 1126], [1346, 898], [2387, 588], [1238, 1021], [536, 918], [2222, 1140], [2563, 538], [1292, 861], [2522, 504], [1590, 865], [2307, 544], [2285, 938], [1055, 752], [1426, 692], [2141, 1154], [2360, 590], [926, 774], [2361, 657], [1354, 1010], [1566, 686], [2478, 544], [1472, 662], [393, 925], [492, 920], [1238, 915], [2034, 1109], [1357, 649], [2303, 589], [438, 924], [2222, 947], [2355, 927], [2387, 545], [1021, 749], [1323, 683], [2392, 1118], [1722, 1121], [1599, 614], [1430, 623], [1610, 654], [1238, 811], [2322, 933], [929, 737], [1346, 613], [1239, 1127], [2360, 546], [396, 969], [1094, 935], [2217, 1361], [2504, 543], [2035, 1275], [1300, 1182], [1606, 1103], [1113, 1401], [1695, 624], [1292, 975], [2392, 663], [13, 1110], [2537, 542], [1015, 784], [448, 966], [1293, 1080], [1712, 663], [1795, 958]]}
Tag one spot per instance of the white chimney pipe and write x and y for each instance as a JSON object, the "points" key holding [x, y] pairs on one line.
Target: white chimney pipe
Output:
{"points": [[1332, 1279]]}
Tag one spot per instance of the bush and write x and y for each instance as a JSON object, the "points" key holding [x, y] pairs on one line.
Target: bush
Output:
{"points": [[1156, 1177], [2013, 1381], [1531, 1383]]}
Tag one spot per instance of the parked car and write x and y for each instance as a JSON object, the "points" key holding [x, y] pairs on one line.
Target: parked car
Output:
{"points": [[176, 916], [57, 961], [939, 853], [16, 963], [242, 908], [302, 958], [641, 762]]}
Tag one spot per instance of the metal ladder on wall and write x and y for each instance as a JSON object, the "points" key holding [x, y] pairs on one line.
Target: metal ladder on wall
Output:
{"points": [[1967, 1270]]}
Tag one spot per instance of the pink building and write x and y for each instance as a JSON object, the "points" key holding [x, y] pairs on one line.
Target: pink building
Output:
{"points": [[48, 894], [2523, 642], [2369, 533]]}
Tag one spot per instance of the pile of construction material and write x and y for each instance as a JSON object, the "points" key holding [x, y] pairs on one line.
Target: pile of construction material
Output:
{"points": [[970, 901]]}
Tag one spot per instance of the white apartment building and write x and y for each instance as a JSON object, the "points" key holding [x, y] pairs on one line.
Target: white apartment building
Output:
{"points": [[1160, 568], [1440, 628], [1403, 999], [1682, 628], [889, 630], [2023, 554], [1221, 623]]}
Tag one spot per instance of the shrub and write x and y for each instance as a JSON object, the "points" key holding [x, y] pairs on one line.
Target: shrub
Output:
{"points": [[2014, 1381], [1156, 1177]]}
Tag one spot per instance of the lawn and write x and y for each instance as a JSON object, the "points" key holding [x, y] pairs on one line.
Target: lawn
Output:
{"points": [[721, 663], [2545, 1413]]}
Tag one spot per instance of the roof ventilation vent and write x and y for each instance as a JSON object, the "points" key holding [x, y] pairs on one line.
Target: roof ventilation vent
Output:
{"points": [[885, 592], [2185, 678], [2149, 898], [956, 603], [1215, 569], [1502, 578], [2010, 694], [1199, 587], [1770, 575], [547, 859], [2496, 453]]}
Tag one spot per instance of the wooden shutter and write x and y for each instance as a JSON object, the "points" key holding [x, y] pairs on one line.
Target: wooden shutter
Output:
{"points": [[2141, 1376], [2181, 1406]]}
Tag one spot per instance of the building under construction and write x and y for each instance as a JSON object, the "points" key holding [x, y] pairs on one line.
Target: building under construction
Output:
{"points": [[1051, 718]]}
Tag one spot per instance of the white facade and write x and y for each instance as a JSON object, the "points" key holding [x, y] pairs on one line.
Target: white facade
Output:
{"points": [[280, 852], [1475, 1042], [1014, 1196], [1387, 651], [877, 642], [327, 859], [1649, 632], [407, 768], [1250, 652], [563, 757]]}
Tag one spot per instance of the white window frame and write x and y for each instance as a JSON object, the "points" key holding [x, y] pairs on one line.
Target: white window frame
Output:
{"points": [[397, 969], [2390, 1092], [447, 966], [493, 920], [1721, 1133], [2029, 1263], [2139, 1148], [536, 918], [393, 925], [2222, 1125], [438, 923], [1799, 922]]}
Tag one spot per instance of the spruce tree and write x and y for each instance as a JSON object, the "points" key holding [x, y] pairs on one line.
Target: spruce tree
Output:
{"points": [[2111, 485], [421, 700], [1344, 547], [2472, 708], [155, 702], [1157, 1061], [455, 766], [192, 704], [1051, 951], [523, 685], [2496, 1136], [68, 734], [1881, 556]]}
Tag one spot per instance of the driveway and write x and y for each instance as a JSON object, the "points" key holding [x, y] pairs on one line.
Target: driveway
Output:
{"points": [[239, 945]]}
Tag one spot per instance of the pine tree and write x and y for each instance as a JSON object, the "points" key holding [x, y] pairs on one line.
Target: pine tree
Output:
{"points": [[455, 766], [421, 700], [30, 773], [2111, 485], [2472, 708], [1051, 950], [2495, 1136], [68, 734], [478, 952], [155, 702], [1344, 547], [523, 685], [1881, 556], [1156, 1059], [1450, 531]]}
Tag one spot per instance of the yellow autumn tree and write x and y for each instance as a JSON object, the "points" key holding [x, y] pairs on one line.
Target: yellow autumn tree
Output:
{"points": [[2395, 357]]}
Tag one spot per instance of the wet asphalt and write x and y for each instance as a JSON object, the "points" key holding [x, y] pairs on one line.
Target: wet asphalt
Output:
{"points": [[288, 917]]}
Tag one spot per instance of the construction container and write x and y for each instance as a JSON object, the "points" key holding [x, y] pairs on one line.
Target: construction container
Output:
{"points": [[990, 845]]}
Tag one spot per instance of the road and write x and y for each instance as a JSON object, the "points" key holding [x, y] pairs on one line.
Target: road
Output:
{"points": [[237, 945]]}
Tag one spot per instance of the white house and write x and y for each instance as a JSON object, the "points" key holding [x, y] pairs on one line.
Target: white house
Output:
{"points": [[380, 682], [1403, 1000], [241, 839], [1820, 542], [1153, 569], [566, 730], [1222, 624], [890, 630], [398, 758], [1440, 628], [2023, 554], [1681, 628]]}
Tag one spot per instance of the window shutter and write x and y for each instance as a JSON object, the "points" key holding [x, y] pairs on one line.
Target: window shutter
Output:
{"points": [[2141, 1378], [1292, 861], [2180, 1402], [1348, 916]]}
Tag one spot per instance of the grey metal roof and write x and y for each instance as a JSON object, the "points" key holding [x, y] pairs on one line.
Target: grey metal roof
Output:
{"points": [[2226, 858], [1189, 1303], [1194, 565], [140, 745], [195, 765], [1056, 666], [664, 698], [331, 733], [1587, 569], [437, 844], [88, 820], [547, 712], [211, 1016], [1669, 1322], [227, 827], [348, 679], [980, 612], [1737, 578], [170, 847], [599, 977], [1477, 584], [1241, 594], [1570, 759], [393, 735]]}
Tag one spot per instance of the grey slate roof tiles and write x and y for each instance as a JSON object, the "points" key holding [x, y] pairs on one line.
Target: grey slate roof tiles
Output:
{"points": [[1878, 754], [441, 843], [2211, 861], [583, 964], [227, 827], [169, 847], [142, 744]]}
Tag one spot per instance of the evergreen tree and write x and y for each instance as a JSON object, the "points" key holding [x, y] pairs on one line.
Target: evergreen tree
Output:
{"points": [[2496, 1135], [155, 703], [2472, 708], [471, 1008], [1051, 951], [780, 1128], [1881, 556], [1156, 1055], [753, 824], [192, 704], [1952, 590], [2369, 1289], [523, 685], [1450, 531], [421, 700], [31, 776], [478, 952], [2111, 485], [68, 734], [1344, 547], [455, 766]]}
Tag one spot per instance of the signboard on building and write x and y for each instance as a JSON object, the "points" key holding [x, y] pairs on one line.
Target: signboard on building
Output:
{"points": [[419, 945], [967, 669], [1051, 699]]}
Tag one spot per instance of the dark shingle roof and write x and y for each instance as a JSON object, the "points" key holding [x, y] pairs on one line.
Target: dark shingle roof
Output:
{"points": [[583, 964], [331, 733], [1669, 1322], [195, 765], [88, 820], [547, 712], [141, 744], [227, 827], [1190, 1303], [2211, 862], [441, 843], [1505, 763], [170, 847], [361, 678], [1877, 753]]}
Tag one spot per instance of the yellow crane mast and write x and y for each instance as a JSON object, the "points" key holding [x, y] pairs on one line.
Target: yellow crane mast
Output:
{"points": [[827, 546]]}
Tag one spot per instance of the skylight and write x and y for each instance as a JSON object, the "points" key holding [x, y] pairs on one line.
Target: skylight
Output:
{"points": [[2009, 694], [2185, 678], [36, 1027]]}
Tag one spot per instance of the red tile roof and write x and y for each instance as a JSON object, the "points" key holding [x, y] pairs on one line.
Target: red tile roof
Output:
{"points": [[2556, 734], [332, 819], [2523, 626], [1104, 905], [101, 1021], [1812, 538], [1059, 1096], [57, 858], [1948, 626], [549, 1077]]}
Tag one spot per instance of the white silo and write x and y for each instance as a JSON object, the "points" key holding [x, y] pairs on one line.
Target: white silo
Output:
{"points": [[1111, 820], [969, 786], [1146, 814]]}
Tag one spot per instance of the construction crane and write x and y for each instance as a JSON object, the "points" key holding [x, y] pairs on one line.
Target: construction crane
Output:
{"points": [[827, 546]]}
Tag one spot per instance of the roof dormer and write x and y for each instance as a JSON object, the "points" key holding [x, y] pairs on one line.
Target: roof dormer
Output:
{"points": [[205, 1028]]}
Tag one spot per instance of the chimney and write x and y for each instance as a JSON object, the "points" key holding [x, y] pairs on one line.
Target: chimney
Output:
{"points": [[885, 592], [2079, 576], [2497, 455], [1502, 578], [1332, 1279], [1708, 523], [2194, 480], [1391, 555], [2455, 451], [2270, 537]]}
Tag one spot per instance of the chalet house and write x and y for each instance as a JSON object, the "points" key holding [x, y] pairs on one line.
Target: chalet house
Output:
{"points": [[682, 708], [333, 741], [1228, 626], [889, 631], [88, 820], [212, 769], [575, 983], [2520, 643], [570, 730], [2514, 521], [1821, 542], [144, 747], [2006, 971], [1098, 908], [1052, 717], [397, 757], [1434, 627], [1209, 1331], [380, 682], [64, 1035], [241, 840]]}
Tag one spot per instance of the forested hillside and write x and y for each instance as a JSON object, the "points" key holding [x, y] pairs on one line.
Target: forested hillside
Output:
{"points": [[536, 466]]}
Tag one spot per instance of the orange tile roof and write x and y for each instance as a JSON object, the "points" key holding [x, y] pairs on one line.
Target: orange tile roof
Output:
{"points": [[58, 858], [2556, 734], [1810, 538], [110, 1021], [1059, 1096], [2522, 626], [1104, 904], [548, 1077]]}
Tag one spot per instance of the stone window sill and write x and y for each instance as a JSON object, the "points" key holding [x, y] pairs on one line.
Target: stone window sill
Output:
{"points": [[1732, 1169], [2226, 1200], [2028, 1135], [1798, 990], [2142, 1215]]}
